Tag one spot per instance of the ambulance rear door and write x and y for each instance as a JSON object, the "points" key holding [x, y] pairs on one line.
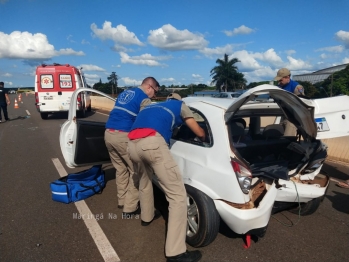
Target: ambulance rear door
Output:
{"points": [[55, 87]]}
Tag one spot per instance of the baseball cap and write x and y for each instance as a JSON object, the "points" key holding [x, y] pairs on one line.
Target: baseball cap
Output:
{"points": [[174, 96], [282, 73]]}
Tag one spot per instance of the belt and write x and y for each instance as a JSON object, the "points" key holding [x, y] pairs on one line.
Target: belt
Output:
{"points": [[114, 130]]}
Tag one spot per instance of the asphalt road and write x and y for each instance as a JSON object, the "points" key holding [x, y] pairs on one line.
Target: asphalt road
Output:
{"points": [[35, 228]]}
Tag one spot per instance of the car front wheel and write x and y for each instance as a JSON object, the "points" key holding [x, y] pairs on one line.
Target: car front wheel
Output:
{"points": [[203, 218]]}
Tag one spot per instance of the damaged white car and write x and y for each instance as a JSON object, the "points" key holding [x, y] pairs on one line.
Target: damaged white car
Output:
{"points": [[257, 157]]}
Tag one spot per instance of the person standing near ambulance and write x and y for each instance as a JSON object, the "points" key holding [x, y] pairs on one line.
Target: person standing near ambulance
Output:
{"points": [[149, 147], [4, 101], [121, 118]]}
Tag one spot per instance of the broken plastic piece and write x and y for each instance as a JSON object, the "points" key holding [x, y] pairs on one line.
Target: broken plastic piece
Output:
{"points": [[247, 241]]}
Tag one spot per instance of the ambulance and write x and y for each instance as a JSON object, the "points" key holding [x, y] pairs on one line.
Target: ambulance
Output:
{"points": [[54, 86]]}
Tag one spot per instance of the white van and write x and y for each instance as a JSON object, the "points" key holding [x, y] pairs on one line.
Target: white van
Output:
{"points": [[54, 86]]}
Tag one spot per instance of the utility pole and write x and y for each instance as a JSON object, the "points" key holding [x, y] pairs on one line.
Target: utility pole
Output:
{"points": [[331, 83]]}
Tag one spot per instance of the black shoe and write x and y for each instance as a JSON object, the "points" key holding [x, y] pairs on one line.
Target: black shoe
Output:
{"points": [[188, 256], [8, 119], [129, 214], [157, 214], [120, 206]]}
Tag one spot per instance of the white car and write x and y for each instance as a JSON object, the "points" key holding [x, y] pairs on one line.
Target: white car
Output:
{"points": [[240, 174], [228, 95]]}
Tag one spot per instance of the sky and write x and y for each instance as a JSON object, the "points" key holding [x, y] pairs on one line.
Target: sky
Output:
{"points": [[175, 41]]}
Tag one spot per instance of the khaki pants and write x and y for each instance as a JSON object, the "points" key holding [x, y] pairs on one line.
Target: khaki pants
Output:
{"points": [[126, 179], [153, 156]]}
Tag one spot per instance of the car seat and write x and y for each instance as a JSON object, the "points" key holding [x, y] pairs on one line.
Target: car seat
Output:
{"points": [[238, 131], [273, 131]]}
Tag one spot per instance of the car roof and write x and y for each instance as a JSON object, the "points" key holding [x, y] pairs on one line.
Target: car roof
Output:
{"points": [[214, 101]]}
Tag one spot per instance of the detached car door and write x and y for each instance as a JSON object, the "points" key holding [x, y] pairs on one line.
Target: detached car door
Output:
{"points": [[82, 141]]}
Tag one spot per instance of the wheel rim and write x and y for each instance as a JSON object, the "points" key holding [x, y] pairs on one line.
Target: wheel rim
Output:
{"points": [[192, 217]]}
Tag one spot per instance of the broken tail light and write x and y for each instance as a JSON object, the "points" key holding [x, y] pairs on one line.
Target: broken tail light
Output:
{"points": [[243, 175]]}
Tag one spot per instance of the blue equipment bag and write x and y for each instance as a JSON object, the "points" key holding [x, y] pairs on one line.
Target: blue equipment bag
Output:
{"points": [[79, 186]]}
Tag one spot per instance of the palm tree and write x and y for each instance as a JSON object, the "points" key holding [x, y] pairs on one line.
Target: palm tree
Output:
{"points": [[113, 80], [226, 74]]}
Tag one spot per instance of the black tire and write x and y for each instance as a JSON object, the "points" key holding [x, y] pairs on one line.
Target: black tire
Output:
{"points": [[203, 218], [82, 112], [307, 208], [44, 115]]}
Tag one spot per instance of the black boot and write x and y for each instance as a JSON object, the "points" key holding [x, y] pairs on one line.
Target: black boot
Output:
{"points": [[157, 214], [188, 256], [130, 214]]}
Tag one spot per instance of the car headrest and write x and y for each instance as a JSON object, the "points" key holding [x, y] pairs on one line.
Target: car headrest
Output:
{"points": [[273, 131], [237, 129]]}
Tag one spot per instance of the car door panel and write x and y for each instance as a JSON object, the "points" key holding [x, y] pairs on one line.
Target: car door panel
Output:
{"points": [[90, 145]]}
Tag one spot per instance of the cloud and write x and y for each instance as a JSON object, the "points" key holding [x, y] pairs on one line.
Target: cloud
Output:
{"points": [[145, 59], [261, 74], [119, 48], [169, 38], [217, 51], [91, 76], [242, 30], [297, 64], [345, 60], [7, 75], [335, 49], [90, 67], [343, 36], [196, 76], [131, 82], [119, 34], [85, 42], [24, 45], [290, 52], [70, 39], [91, 79], [167, 80], [269, 56]]}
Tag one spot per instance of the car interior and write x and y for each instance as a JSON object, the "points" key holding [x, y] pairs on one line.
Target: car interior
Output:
{"points": [[184, 133], [267, 149]]}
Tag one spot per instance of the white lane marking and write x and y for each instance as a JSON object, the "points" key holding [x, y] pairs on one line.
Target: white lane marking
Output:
{"points": [[105, 248], [28, 113], [102, 113]]}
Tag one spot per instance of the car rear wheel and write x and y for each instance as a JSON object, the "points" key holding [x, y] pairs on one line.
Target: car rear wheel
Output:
{"points": [[44, 115], [203, 218], [307, 208]]}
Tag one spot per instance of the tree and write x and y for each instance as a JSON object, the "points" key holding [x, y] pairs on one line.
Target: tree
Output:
{"points": [[113, 80], [309, 89], [337, 83], [226, 75]]}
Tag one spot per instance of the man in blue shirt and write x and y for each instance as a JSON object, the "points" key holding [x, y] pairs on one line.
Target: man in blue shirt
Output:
{"points": [[149, 147], [121, 119], [284, 81]]}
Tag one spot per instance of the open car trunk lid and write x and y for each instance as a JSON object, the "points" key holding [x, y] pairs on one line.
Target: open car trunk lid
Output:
{"points": [[297, 112]]}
